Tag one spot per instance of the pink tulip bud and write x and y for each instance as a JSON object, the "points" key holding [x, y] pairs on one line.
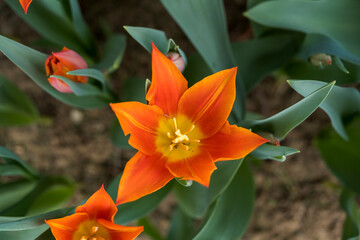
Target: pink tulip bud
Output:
{"points": [[177, 60], [320, 60], [60, 63]]}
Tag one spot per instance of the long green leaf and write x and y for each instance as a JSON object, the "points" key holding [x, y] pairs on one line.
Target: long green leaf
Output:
{"points": [[332, 18], [277, 153], [340, 103], [182, 226], [352, 221], [32, 63], [232, 212], [15, 107], [196, 199], [282, 123], [204, 23], [341, 156]]}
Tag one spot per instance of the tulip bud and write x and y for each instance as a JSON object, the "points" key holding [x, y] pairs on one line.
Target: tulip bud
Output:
{"points": [[320, 60], [178, 60], [60, 63]]}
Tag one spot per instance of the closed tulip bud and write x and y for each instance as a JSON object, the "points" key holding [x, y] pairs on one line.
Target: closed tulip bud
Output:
{"points": [[320, 60], [60, 63], [177, 60]]}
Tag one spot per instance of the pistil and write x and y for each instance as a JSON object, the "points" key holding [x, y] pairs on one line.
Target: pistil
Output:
{"points": [[180, 139]]}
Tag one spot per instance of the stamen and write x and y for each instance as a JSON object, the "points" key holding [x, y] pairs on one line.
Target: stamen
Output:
{"points": [[194, 140], [169, 135], [175, 124], [192, 128], [94, 229], [84, 238], [171, 147]]}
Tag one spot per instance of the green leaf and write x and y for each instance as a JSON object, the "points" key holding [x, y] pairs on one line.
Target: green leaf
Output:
{"points": [[320, 17], [196, 199], [352, 221], [117, 136], [15, 107], [89, 72], [13, 192], [146, 36], [305, 70], [336, 105], [32, 63], [57, 26], [282, 123], [341, 156], [258, 57], [11, 158], [149, 229], [47, 235], [182, 226], [128, 212], [317, 43], [204, 23], [114, 50], [232, 211], [340, 65], [277, 153], [38, 198]]}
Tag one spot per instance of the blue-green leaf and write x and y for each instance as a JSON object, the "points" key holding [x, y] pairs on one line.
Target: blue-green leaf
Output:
{"points": [[15, 107], [352, 221], [282, 123], [57, 27], [196, 199], [340, 103], [114, 50], [277, 153], [146, 36], [182, 226], [232, 212], [335, 19], [341, 156]]}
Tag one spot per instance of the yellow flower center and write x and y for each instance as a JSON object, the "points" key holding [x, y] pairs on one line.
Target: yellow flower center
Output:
{"points": [[91, 230], [177, 138]]}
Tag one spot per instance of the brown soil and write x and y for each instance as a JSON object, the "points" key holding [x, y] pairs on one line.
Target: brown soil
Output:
{"points": [[295, 199]]}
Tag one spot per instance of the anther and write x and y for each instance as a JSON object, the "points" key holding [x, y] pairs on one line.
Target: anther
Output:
{"points": [[84, 238], [94, 229]]}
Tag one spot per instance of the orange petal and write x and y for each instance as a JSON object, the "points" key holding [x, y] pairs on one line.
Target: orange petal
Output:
{"points": [[198, 168], [25, 4], [231, 142], [168, 84], [209, 102], [118, 232], [142, 175], [64, 228], [141, 121], [99, 205]]}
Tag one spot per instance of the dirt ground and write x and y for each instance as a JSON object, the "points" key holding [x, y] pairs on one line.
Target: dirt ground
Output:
{"points": [[296, 199]]}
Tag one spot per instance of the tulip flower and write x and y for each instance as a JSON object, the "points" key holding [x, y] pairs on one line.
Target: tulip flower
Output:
{"points": [[182, 132], [60, 63], [93, 221], [25, 4]]}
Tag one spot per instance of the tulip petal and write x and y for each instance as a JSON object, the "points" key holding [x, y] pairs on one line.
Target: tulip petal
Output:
{"points": [[208, 103], [231, 142], [168, 84], [59, 85], [198, 168], [25, 4], [141, 121], [118, 232], [70, 59], [142, 175], [99, 205], [64, 228]]}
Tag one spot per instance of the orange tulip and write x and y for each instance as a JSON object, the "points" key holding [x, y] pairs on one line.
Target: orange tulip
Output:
{"points": [[93, 221], [182, 132], [60, 63], [25, 4]]}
